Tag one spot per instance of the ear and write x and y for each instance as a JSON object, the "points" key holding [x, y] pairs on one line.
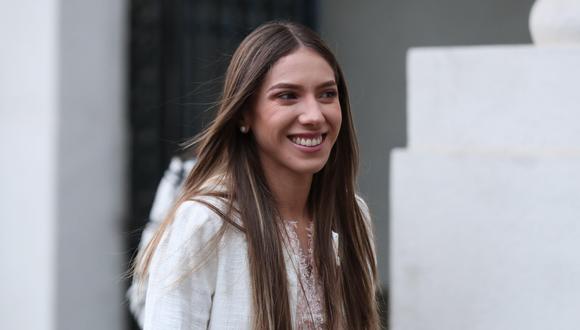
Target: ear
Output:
{"points": [[247, 118]]}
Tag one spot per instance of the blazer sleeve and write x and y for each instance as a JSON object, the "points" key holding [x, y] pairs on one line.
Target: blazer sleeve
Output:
{"points": [[182, 273]]}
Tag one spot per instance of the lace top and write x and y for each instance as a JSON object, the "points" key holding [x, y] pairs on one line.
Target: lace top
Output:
{"points": [[309, 308]]}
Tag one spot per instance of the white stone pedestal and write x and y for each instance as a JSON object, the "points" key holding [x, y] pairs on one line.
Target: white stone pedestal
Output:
{"points": [[485, 223]]}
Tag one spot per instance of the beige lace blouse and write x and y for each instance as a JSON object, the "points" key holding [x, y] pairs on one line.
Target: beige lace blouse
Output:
{"points": [[309, 307]]}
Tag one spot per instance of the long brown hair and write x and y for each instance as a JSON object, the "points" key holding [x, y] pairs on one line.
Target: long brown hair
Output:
{"points": [[349, 288]]}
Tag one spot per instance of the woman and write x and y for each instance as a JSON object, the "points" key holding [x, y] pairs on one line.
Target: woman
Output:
{"points": [[268, 232]]}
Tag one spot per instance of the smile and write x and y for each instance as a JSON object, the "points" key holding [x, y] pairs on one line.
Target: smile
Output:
{"points": [[307, 141]]}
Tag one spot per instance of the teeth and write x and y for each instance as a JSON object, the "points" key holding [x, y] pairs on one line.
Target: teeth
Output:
{"points": [[308, 142]]}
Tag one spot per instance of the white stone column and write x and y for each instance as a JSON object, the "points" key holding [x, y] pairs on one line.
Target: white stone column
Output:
{"points": [[485, 222], [28, 149], [62, 141]]}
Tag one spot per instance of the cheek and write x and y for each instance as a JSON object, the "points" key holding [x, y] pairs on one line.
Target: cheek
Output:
{"points": [[335, 119], [261, 137], [268, 131]]}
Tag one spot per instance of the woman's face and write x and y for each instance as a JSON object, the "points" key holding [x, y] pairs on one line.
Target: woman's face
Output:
{"points": [[296, 114]]}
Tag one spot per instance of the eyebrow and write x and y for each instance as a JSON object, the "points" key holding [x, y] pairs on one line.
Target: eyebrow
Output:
{"points": [[296, 86]]}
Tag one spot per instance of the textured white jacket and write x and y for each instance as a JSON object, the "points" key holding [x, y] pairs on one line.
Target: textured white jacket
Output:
{"points": [[217, 295]]}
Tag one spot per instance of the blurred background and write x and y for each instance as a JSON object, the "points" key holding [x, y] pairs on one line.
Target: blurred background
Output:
{"points": [[95, 97]]}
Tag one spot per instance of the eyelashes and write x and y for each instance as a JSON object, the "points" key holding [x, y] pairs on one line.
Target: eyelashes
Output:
{"points": [[287, 96], [329, 94], [291, 95]]}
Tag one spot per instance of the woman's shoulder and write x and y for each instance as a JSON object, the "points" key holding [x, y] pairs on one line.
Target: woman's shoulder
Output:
{"points": [[199, 214], [194, 226]]}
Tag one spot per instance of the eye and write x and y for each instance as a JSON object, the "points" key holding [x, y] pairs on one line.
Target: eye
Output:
{"points": [[329, 94], [287, 95]]}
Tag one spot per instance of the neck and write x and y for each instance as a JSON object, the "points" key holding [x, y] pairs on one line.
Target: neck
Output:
{"points": [[291, 194]]}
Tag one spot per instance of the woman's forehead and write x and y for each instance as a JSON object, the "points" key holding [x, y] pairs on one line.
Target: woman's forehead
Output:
{"points": [[303, 66]]}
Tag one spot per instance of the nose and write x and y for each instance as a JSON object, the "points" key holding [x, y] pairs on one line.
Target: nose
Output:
{"points": [[311, 114]]}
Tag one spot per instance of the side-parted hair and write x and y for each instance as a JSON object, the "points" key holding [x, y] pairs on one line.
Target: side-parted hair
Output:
{"points": [[349, 287]]}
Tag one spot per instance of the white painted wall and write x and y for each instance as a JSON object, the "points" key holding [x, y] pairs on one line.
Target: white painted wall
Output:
{"points": [[62, 133]]}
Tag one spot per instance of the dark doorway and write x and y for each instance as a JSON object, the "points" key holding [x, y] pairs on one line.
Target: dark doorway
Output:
{"points": [[179, 50]]}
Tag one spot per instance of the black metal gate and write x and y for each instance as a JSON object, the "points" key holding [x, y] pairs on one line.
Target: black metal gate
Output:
{"points": [[179, 50]]}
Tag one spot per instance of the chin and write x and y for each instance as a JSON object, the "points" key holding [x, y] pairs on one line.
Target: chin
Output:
{"points": [[312, 168]]}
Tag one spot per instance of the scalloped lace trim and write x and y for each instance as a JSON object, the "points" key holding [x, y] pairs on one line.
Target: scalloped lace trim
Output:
{"points": [[309, 308]]}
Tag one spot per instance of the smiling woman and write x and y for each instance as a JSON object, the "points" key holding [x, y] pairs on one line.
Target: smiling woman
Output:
{"points": [[268, 232]]}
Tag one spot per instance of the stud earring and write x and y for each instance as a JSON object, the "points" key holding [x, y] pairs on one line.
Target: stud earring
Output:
{"points": [[244, 129]]}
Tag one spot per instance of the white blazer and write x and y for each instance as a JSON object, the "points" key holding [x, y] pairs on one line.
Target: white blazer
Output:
{"points": [[217, 294]]}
